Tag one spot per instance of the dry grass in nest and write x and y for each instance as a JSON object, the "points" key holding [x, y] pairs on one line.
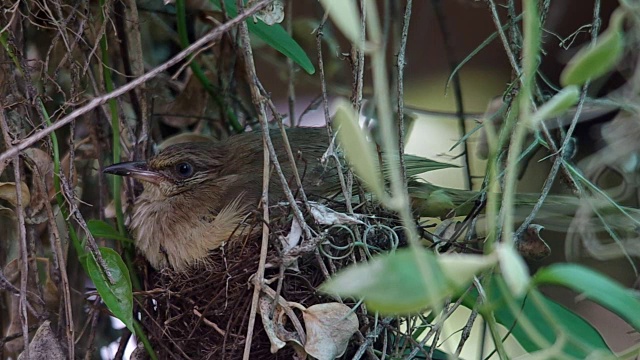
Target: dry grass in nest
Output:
{"points": [[204, 313]]}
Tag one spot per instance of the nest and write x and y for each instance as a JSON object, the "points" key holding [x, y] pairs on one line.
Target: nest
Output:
{"points": [[204, 313]]}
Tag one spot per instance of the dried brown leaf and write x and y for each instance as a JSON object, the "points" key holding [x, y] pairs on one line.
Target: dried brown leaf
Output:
{"points": [[531, 245], [329, 328], [8, 193]]}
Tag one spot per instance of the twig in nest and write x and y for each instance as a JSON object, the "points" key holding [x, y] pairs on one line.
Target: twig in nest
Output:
{"points": [[209, 323]]}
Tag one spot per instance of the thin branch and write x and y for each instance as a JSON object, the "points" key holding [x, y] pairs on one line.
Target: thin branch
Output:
{"points": [[24, 256], [291, 69], [61, 265], [257, 98], [213, 35], [560, 154], [346, 188], [401, 63]]}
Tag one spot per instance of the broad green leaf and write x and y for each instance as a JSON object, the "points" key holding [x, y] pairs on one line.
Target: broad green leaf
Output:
{"points": [[393, 283], [274, 35], [596, 287], [358, 150], [118, 297], [344, 14], [594, 61], [101, 229], [557, 105], [575, 327]]}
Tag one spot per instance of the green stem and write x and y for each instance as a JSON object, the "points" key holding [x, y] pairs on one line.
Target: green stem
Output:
{"points": [[115, 126], [79, 247], [117, 180], [530, 52], [143, 338]]}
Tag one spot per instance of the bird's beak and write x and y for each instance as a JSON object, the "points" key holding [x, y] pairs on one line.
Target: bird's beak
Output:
{"points": [[136, 169]]}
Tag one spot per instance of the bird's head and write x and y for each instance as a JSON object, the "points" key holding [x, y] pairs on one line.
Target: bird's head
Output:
{"points": [[176, 169]]}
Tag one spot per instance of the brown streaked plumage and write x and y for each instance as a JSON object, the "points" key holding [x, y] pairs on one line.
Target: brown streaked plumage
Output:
{"points": [[197, 194]]}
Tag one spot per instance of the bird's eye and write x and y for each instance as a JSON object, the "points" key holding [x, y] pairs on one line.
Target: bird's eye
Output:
{"points": [[184, 169]]}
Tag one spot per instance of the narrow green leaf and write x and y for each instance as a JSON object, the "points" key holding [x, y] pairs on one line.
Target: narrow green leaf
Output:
{"points": [[573, 326], [594, 61], [274, 35], [557, 105], [101, 229], [118, 297], [393, 283], [417, 165], [358, 150], [596, 287]]}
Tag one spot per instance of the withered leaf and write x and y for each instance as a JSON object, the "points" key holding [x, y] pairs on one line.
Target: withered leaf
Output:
{"points": [[329, 328], [8, 193]]}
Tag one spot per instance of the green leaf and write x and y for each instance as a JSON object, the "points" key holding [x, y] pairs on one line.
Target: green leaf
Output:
{"points": [[118, 297], [417, 165], [437, 204], [596, 287], [594, 61], [514, 269], [344, 14], [275, 36], [101, 229], [358, 150], [572, 325], [393, 283], [461, 268], [557, 105]]}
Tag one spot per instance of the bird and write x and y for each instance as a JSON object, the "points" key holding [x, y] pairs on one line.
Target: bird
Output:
{"points": [[198, 194]]}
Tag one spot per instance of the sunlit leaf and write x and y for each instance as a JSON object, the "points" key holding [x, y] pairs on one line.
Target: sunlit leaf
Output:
{"points": [[557, 105], [596, 287], [118, 297], [344, 14], [461, 268], [358, 150], [514, 269], [393, 283], [594, 61]]}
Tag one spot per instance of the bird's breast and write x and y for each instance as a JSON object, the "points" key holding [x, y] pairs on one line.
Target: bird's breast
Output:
{"points": [[168, 233]]}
